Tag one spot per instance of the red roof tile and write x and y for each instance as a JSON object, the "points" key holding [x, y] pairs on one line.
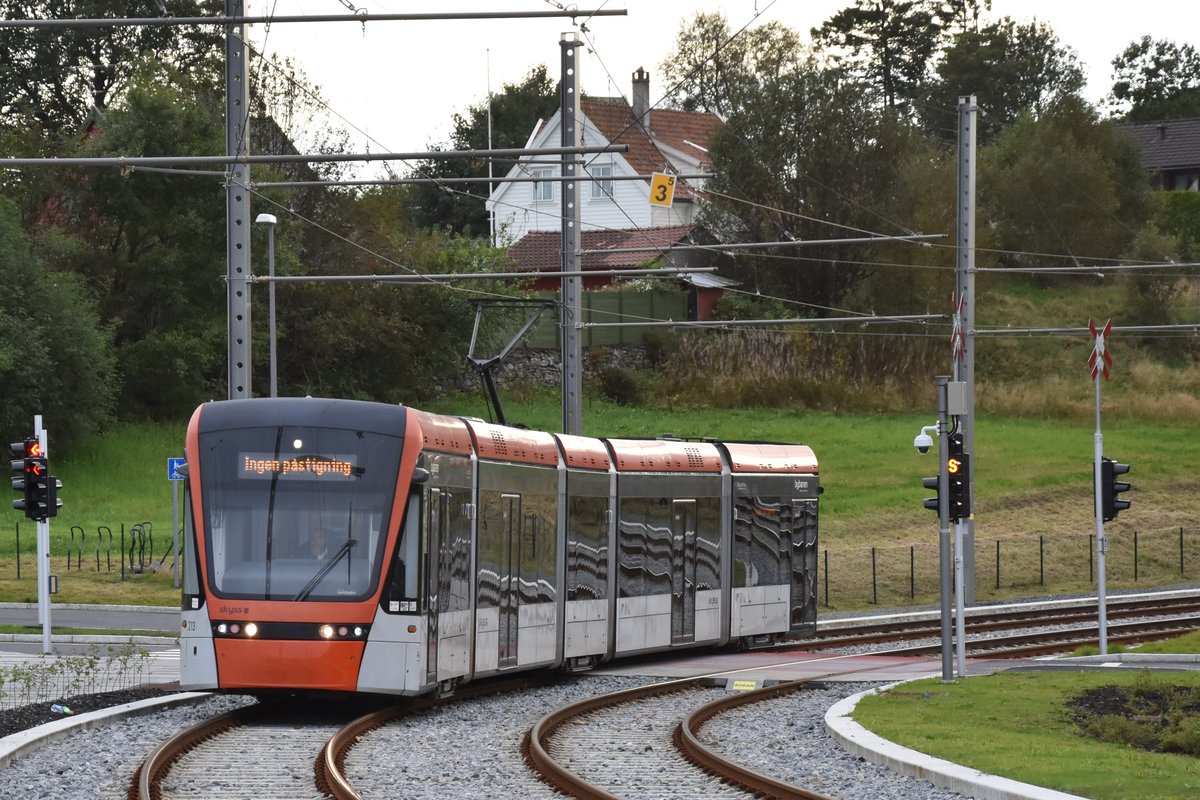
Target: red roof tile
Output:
{"points": [[541, 251], [614, 119]]}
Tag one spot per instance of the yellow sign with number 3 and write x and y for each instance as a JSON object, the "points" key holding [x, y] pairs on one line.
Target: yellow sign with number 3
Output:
{"points": [[662, 189]]}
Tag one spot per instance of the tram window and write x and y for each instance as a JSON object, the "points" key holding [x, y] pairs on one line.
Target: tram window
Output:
{"points": [[405, 580], [191, 571]]}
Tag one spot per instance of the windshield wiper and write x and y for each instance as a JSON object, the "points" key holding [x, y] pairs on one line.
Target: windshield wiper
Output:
{"points": [[324, 570]]}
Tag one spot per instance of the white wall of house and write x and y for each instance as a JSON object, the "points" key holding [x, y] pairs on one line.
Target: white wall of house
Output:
{"points": [[521, 207]]}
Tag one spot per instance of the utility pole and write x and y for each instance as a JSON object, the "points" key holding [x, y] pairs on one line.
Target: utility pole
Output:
{"points": [[237, 201], [571, 313], [964, 349]]}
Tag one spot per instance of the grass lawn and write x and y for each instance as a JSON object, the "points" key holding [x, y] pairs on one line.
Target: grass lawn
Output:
{"points": [[1017, 725], [1033, 497]]}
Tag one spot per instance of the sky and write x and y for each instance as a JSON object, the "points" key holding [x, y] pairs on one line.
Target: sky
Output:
{"points": [[397, 85]]}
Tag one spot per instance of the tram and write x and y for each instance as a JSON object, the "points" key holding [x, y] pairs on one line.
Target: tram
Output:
{"points": [[346, 546]]}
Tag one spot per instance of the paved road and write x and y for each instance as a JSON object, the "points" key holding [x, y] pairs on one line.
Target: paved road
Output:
{"points": [[164, 621]]}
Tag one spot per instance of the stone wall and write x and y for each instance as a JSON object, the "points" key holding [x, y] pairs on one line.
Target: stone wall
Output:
{"points": [[544, 367]]}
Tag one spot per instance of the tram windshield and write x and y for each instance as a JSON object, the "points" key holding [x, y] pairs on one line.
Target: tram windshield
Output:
{"points": [[296, 513]]}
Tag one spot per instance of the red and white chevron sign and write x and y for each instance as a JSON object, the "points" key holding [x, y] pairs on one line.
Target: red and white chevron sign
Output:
{"points": [[1100, 361]]}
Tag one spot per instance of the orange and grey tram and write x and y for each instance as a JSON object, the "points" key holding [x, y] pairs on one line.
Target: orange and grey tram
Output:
{"points": [[348, 546]]}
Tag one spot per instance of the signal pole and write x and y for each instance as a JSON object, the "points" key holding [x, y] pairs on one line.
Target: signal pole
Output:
{"points": [[43, 549], [1100, 363], [964, 348], [944, 522], [571, 312]]}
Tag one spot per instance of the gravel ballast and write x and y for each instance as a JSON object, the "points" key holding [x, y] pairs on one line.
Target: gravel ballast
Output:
{"points": [[469, 749]]}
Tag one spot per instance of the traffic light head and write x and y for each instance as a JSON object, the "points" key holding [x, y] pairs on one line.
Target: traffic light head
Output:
{"points": [[958, 470], [1110, 488], [38, 489], [931, 483]]}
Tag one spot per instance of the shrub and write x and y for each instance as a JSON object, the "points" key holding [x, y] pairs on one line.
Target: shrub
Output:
{"points": [[620, 385]]}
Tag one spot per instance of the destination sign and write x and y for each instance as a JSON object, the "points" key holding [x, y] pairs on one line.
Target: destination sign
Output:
{"points": [[300, 467]]}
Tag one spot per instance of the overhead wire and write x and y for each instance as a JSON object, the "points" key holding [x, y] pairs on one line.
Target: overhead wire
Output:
{"points": [[732, 198]]}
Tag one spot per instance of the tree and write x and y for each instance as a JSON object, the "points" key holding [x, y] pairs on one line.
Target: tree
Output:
{"points": [[54, 350], [1156, 79], [154, 252], [1062, 183], [379, 341], [888, 44], [807, 155], [1009, 67], [712, 69], [514, 112], [52, 78]]}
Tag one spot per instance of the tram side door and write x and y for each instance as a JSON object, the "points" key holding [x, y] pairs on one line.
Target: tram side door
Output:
{"points": [[510, 582], [788, 510], [683, 572], [435, 534]]}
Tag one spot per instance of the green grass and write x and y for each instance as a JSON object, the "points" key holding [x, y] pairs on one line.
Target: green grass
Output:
{"points": [[69, 631], [1029, 733], [1033, 479]]}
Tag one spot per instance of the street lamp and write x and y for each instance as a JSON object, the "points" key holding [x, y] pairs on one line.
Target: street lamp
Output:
{"points": [[269, 220]]}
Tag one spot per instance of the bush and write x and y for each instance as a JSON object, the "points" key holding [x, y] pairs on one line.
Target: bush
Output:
{"points": [[620, 385]]}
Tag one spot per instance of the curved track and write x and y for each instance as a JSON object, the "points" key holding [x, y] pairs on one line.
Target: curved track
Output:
{"points": [[628, 745]]}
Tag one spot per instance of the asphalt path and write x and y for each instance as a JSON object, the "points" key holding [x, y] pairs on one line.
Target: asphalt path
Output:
{"points": [[153, 620]]}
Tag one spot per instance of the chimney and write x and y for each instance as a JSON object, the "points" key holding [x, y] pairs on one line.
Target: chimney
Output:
{"points": [[1162, 131], [641, 97]]}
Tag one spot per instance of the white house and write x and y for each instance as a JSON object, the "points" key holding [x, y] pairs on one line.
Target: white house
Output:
{"points": [[659, 141]]}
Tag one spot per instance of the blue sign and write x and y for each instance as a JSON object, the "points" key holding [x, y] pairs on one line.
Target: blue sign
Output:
{"points": [[173, 467]]}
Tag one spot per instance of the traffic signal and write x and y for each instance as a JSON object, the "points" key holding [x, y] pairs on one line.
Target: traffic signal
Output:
{"points": [[932, 502], [38, 488], [26, 451], [1110, 487], [958, 468]]}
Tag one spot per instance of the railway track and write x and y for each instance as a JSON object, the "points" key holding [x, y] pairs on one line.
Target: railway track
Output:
{"points": [[1047, 631], [270, 750], [646, 742], [591, 749], [264, 750]]}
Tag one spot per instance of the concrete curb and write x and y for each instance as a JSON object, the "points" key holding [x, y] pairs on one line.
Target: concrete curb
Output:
{"points": [[946, 774], [1134, 658], [96, 607], [88, 638], [19, 744]]}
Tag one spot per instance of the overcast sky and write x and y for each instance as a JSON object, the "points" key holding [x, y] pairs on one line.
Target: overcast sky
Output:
{"points": [[397, 84]]}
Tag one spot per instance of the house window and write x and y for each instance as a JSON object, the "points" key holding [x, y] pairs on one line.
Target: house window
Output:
{"points": [[542, 190], [602, 185]]}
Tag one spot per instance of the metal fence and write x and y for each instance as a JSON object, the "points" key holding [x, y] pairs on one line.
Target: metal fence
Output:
{"points": [[616, 306], [1026, 565], [123, 549], [51, 679]]}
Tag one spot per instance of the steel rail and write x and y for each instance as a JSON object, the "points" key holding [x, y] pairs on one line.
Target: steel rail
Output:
{"points": [[537, 740], [330, 766], [688, 742], [899, 631], [146, 779]]}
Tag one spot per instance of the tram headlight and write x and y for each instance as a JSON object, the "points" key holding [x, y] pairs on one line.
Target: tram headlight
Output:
{"points": [[358, 631], [251, 629], [222, 629], [327, 631]]}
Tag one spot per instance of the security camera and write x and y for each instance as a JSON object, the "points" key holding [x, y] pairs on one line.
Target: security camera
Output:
{"points": [[924, 441]]}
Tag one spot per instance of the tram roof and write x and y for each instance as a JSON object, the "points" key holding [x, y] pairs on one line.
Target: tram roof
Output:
{"points": [[664, 455], [502, 443]]}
